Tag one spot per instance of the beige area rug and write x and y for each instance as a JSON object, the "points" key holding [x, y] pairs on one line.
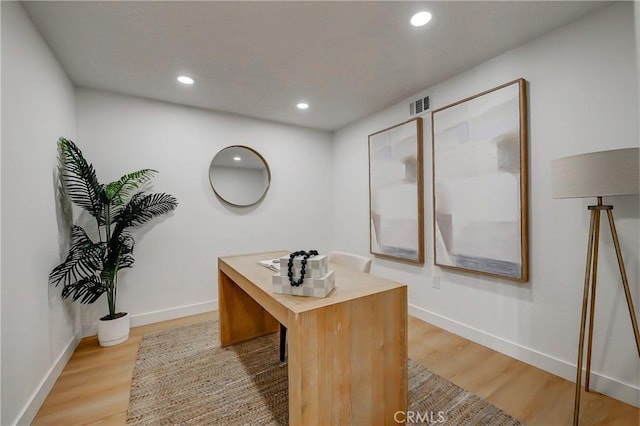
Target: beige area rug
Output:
{"points": [[183, 377]]}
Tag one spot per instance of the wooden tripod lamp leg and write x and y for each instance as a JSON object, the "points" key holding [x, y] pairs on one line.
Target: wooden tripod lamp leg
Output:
{"points": [[585, 300], [590, 284], [625, 282], [592, 309]]}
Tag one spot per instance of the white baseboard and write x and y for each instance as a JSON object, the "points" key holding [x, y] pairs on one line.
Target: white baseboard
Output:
{"points": [[162, 315], [614, 388], [37, 399], [173, 313], [39, 396]]}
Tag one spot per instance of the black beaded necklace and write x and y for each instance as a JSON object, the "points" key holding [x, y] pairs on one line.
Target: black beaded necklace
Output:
{"points": [[305, 255]]}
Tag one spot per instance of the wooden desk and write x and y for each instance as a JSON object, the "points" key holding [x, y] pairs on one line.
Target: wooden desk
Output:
{"points": [[347, 353]]}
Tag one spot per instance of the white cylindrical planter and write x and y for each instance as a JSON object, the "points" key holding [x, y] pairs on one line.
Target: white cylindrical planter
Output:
{"points": [[113, 332]]}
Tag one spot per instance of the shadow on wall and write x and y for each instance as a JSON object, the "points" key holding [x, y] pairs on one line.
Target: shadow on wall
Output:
{"points": [[64, 219]]}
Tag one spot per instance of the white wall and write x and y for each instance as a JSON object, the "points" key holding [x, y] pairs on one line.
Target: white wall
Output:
{"points": [[583, 96], [176, 261], [38, 107]]}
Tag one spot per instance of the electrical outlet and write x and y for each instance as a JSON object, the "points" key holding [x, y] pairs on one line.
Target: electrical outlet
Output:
{"points": [[435, 281]]}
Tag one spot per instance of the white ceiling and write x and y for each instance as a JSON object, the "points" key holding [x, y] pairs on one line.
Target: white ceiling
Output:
{"points": [[346, 59]]}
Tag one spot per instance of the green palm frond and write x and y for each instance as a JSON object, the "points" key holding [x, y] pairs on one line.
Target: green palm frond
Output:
{"points": [[84, 259], [108, 274], [126, 261], [118, 254], [118, 192], [80, 180], [144, 207], [87, 290], [91, 269]]}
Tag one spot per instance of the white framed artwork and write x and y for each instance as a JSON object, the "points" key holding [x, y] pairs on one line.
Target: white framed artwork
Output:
{"points": [[479, 178], [396, 192]]}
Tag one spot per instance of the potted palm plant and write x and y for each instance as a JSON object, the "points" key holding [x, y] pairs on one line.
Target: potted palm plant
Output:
{"points": [[92, 264]]}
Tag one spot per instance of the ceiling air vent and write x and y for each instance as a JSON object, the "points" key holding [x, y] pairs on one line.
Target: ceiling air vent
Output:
{"points": [[419, 106]]}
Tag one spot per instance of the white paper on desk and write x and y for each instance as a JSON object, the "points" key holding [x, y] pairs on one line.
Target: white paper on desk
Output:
{"points": [[273, 264]]}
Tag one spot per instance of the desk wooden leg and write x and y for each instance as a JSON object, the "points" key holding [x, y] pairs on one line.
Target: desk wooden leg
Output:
{"points": [[348, 362], [241, 317]]}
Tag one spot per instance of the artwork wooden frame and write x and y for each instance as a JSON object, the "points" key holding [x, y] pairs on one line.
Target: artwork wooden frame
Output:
{"points": [[396, 200], [480, 187]]}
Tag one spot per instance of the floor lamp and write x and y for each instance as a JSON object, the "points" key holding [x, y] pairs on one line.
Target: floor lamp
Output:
{"points": [[596, 175]]}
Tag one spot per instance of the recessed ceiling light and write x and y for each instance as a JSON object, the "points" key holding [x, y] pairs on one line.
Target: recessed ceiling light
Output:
{"points": [[237, 158], [420, 19], [185, 80], [303, 105]]}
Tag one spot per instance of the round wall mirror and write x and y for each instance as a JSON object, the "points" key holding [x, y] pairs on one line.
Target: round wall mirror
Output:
{"points": [[239, 175]]}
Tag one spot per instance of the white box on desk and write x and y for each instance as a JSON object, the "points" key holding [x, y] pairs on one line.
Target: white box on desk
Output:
{"points": [[314, 287], [317, 266]]}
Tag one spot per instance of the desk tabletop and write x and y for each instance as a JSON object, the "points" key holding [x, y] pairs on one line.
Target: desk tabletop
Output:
{"points": [[350, 284]]}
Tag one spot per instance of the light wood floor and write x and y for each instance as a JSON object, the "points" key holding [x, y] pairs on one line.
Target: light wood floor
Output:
{"points": [[94, 386]]}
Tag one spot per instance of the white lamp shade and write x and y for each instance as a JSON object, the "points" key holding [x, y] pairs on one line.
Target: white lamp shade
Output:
{"points": [[597, 174]]}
